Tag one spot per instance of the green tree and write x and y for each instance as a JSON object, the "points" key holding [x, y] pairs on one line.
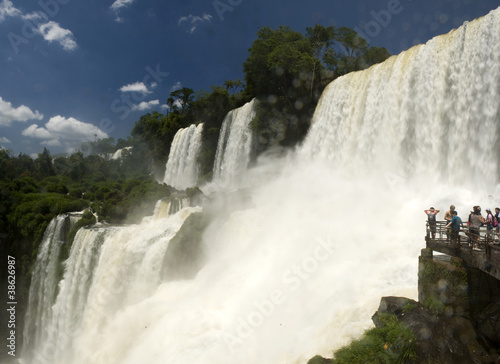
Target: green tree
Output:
{"points": [[350, 52], [44, 163], [184, 97], [233, 85], [281, 62], [321, 38]]}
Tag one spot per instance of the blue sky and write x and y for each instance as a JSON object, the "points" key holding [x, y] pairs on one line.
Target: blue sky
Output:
{"points": [[71, 70]]}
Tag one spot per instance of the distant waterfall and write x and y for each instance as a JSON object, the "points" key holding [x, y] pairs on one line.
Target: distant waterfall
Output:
{"points": [[182, 165], [234, 146], [120, 152]]}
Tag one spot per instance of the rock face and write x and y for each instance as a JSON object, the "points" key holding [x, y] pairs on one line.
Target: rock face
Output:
{"points": [[440, 338]]}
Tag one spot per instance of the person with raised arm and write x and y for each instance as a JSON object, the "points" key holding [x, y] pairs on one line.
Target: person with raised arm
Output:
{"points": [[431, 217]]}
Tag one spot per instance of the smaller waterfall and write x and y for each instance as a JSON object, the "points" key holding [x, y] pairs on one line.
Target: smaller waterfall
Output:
{"points": [[109, 270], [170, 206], [45, 278], [120, 152], [182, 165], [235, 143]]}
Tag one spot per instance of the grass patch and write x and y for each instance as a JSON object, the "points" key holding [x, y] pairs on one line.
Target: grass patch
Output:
{"points": [[391, 343]]}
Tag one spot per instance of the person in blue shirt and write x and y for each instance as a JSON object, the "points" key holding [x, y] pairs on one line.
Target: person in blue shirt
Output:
{"points": [[456, 224]]}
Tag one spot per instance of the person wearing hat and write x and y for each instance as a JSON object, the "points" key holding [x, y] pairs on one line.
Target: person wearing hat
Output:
{"points": [[431, 217]]}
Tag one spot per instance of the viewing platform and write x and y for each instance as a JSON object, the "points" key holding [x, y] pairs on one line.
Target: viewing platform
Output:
{"points": [[486, 259]]}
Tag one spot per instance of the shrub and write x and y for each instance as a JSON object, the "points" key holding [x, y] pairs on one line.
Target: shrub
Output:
{"points": [[391, 343]]}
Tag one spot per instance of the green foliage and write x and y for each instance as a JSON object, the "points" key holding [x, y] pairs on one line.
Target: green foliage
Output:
{"points": [[435, 305], [410, 306], [184, 98], [281, 62], [127, 202], [442, 284], [99, 146], [391, 343], [233, 85], [288, 71], [157, 132]]}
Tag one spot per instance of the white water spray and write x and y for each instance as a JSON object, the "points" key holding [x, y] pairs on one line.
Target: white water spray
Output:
{"points": [[301, 268]]}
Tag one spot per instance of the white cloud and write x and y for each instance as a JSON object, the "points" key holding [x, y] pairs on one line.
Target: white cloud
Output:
{"points": [[146, 105], [52, 143], [60, 131], [118, 4], [34, 131], [176, 87], [8, 9], [52, 32], [49, 30], [194, 21], [9, 114], [135, 87], [4, 140]]}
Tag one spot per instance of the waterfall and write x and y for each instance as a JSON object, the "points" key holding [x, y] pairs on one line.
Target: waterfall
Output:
{"points": [[119, 153], [182, 165], [45, 278], [172, 205], [433, 112], [298, 266], [234, 146], [109, 269]]}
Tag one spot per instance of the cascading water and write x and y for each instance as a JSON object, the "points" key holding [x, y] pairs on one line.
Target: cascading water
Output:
{"points": [[432, 112], [234, 146], [109, 269], [182, 165], [174, 204], [120, 152], [45, 279], [300, 269]]}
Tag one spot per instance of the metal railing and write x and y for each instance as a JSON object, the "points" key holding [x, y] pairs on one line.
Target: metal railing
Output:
{"points": [[441, 234]]}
